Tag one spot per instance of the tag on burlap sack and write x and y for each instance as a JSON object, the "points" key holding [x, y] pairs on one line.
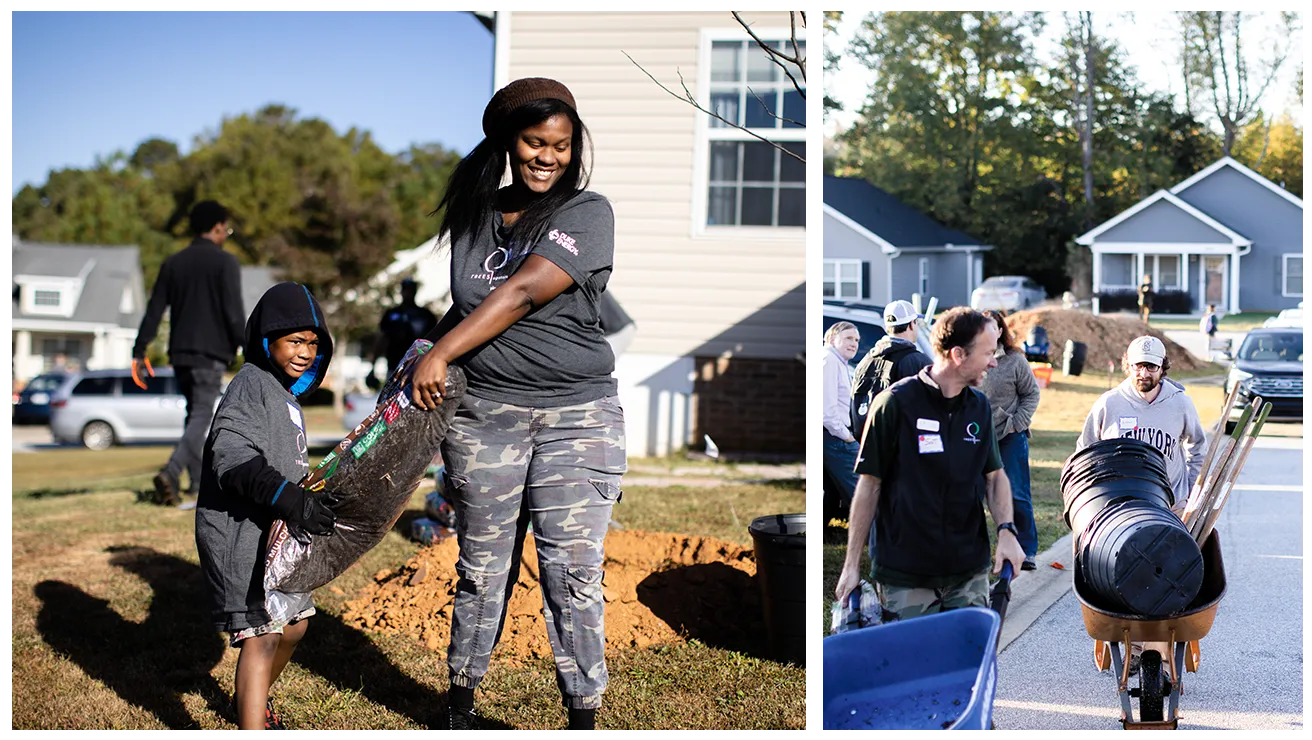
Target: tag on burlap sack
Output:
{"points": [[374, 471]]}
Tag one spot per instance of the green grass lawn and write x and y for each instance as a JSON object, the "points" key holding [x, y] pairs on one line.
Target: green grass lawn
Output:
{"points": [[110, 630], [1063, 406], [1230, 322]]}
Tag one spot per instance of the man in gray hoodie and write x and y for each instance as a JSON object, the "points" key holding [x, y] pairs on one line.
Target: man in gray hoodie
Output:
{"points": [[1154, 409], [1149, 407]]}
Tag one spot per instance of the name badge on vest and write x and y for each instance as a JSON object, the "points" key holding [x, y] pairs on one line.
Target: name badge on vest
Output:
{"points": [[930, 443], [1128, 422], [927, 425]]}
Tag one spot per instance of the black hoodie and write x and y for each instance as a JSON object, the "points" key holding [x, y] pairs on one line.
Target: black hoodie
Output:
{"points": [[256, 447]]}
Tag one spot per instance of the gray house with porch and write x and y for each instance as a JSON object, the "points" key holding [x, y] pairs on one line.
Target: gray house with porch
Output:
{"points": [[878, 249], [1226, 236]]}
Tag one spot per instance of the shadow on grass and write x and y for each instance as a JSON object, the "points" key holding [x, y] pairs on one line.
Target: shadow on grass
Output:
{"points": [[175, 650], [713, 603]]}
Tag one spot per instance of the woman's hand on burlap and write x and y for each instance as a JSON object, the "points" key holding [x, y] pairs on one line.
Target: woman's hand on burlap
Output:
{"points": [[428, 381]]}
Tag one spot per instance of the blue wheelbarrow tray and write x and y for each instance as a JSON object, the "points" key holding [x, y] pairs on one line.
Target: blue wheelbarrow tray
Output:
{"points": [[935, 672]]}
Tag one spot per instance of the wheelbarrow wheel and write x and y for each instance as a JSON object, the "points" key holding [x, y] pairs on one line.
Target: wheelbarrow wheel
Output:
{"points": [[1152, 687]]}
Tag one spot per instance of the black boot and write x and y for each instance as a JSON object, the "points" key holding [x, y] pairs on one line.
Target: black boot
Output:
{"points": [[460, 709], [582, 719]]}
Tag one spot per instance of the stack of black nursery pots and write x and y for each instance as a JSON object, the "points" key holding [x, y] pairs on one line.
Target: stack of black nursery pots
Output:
{"points": [[1133, 552]]}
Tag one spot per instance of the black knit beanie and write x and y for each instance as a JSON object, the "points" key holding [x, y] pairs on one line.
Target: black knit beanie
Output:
{"points": [[521, 92]]}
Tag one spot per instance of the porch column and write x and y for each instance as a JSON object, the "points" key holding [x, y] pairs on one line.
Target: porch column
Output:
{"points": [[1097, 270], [1184, 276], [22, 356], [1234, 282]]}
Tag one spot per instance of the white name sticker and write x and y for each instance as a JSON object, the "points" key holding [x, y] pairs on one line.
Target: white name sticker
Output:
{"points": [[928, 425], [295, 414], [930, 443], [1128, 422]]}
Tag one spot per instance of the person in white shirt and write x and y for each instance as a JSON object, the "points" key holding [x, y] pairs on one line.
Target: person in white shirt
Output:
{"points": [[841, 445]]}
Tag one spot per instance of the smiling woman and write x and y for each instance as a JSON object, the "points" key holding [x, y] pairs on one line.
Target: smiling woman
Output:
{"points": [[540, 434]]}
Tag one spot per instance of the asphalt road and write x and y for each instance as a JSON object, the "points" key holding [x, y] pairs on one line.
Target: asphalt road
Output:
{"points": [[1251, 671]]}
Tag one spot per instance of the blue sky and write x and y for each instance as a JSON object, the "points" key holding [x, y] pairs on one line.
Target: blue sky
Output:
{"points": [[87, 84]]}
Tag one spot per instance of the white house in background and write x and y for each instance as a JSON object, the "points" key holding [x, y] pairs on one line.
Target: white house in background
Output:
{"points": [[77, 303], [709, 222]]}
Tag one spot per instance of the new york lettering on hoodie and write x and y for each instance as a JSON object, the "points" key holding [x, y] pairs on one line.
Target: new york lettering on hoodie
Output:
{"points": [[1170, 424]]}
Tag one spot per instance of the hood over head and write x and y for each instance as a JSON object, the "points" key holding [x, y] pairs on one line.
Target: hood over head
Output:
{"points": [[283, 309]]}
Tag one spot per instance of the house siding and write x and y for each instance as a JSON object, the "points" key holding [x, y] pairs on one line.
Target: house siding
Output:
{"points": [[1274, 224], [694, 295], [843, 242], [949, 275], [1164, 222]]}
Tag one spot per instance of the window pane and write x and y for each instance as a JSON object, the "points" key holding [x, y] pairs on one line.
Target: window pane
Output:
{"points": [[724, 61], [725, 104], [758, 206], [787, 48], [759, 66], [1168, 269], [849, 270], [758, 115], [724, 161], [45, 297], [1294, 275], [829, 289], [792, 206], [792, 169], [794, 108], [758, 162], [154, 386], [849, 290], [721, 205], [828, 272], [94, 387]]}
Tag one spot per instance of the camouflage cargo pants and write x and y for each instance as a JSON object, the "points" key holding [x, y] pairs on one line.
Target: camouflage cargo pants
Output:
{"points": [[908, 603], [558, 469]]}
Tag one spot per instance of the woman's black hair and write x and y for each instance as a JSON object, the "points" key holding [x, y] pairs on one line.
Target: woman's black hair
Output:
{"points": [[471, 193]]}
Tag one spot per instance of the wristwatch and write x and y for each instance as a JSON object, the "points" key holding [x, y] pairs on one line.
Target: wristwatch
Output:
{"points": [[1010, 527]]}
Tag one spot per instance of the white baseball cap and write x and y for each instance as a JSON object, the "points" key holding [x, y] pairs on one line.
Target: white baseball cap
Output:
{"points": [[899, 313], [1147, 349]]}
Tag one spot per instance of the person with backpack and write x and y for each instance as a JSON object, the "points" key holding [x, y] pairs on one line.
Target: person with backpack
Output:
{"points": [[893, 358]]}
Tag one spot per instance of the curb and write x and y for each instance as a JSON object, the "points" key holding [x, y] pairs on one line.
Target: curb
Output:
{"points": [[1034, 591]]}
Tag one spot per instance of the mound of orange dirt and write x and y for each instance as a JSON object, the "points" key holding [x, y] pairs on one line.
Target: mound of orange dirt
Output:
{"points": [[1105, 336], [658, 588]]}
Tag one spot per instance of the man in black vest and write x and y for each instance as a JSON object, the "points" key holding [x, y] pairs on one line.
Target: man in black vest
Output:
{"points": [[930, 457]]}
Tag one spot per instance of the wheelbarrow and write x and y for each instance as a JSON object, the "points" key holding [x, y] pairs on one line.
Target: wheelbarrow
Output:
{"points": [[937, 672], [1161, 678]]}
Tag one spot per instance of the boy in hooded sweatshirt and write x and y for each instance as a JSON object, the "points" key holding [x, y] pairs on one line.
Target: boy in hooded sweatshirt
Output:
{"points": [[255, 453], [1151, 408]]}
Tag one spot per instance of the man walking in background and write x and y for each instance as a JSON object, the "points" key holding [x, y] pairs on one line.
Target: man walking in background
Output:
{"points": [[201, 285], [400, 326]]}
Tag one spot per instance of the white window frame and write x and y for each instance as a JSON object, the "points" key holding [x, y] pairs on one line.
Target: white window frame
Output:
{"points": [[1134, 265], [838, 280], [30, 288], [705, 135], [924, 276], [1284, 275]]}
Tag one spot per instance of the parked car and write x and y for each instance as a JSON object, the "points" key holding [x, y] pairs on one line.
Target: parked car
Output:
{"points": [[1269, 364], [358, 406], [32, 404], [101, 408], [1007, 293], [1287, 317]]}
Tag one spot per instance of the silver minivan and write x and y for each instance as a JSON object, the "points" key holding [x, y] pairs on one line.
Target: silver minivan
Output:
{"points": [[101, 408]]}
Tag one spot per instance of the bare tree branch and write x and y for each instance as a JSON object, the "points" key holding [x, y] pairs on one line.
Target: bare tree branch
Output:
{"points": [[690, 99], [776, 55]]}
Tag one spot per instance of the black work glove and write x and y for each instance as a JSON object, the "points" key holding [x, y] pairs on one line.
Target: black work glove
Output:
{"points": [[372, 382], [306, 510]]}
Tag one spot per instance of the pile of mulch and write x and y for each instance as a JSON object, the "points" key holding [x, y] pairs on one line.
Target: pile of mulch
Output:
{"points": [[658, 588], [1106, 337]]}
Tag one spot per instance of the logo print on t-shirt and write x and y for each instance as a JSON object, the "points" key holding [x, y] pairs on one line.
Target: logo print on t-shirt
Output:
{"points": [[497, 259], [972, 429]]}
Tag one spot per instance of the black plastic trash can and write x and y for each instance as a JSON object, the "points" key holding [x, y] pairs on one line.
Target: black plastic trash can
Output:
{"points": [[780, 543], [1072, 361]]}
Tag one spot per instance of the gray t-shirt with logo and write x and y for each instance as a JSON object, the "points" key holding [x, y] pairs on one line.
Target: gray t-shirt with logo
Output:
{"points": [[556, 355]]}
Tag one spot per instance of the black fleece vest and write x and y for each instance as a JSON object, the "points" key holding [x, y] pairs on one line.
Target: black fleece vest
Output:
{"points": [[931, 514]]}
